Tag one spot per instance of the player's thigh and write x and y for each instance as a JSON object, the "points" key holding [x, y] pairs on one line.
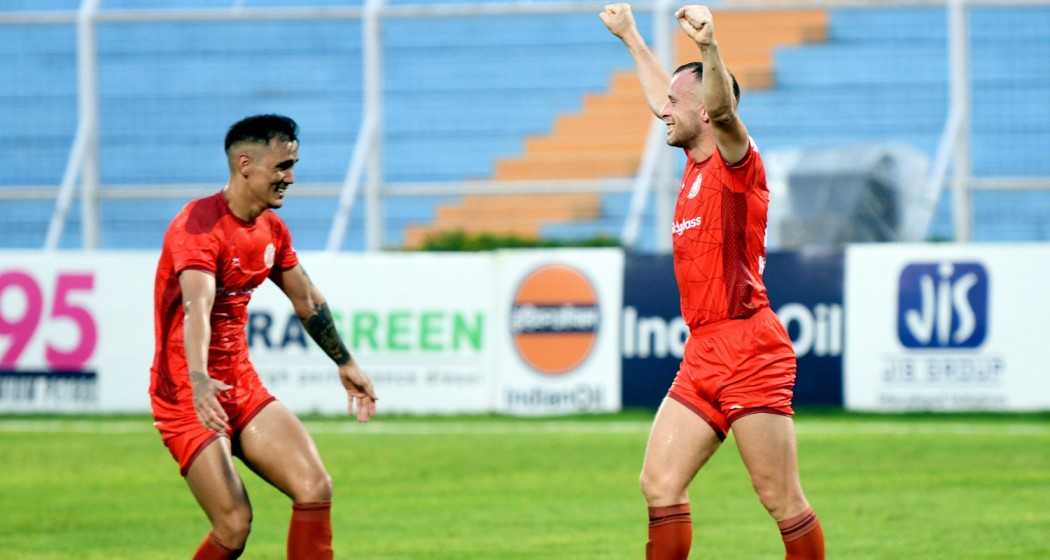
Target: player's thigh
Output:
{"points": [[216, 485], [276, 446], [768, 448], [680, 442]]}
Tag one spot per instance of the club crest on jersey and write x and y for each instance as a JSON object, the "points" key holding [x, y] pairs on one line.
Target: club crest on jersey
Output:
{"points": [[269, 254], [695, 189]]}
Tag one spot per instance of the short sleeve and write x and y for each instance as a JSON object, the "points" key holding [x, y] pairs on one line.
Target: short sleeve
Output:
{"points": [[194, 251], [747, 174], [746, 162]]}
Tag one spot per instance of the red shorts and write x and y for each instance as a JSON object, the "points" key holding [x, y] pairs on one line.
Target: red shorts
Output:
{"points": [[183, 433], [737, 367]]}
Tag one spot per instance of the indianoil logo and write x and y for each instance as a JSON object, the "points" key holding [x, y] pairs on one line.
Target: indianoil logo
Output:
{"points": [[555, 318]]}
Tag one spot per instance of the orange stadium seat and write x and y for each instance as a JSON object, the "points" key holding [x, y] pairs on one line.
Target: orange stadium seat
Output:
{"points": [[606, 137]]}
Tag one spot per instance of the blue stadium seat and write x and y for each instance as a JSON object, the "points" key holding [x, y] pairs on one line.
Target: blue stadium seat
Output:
{"points": [[38, 5], [930, 24], [882, 77], [462, 92]]}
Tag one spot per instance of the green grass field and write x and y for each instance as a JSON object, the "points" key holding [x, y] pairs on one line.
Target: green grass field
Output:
{"points": [[900, 487]]}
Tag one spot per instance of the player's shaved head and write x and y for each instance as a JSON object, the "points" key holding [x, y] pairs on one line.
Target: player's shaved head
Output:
{"points": [[262, 129], [697, 70], [262, 151]]}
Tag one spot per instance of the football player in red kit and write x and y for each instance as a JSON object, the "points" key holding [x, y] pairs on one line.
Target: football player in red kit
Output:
{"points": [[738, 369], [208, 402]]}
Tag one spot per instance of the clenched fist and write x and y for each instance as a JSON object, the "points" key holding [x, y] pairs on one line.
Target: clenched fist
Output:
{"points": [[618, 18], [698, 24]]}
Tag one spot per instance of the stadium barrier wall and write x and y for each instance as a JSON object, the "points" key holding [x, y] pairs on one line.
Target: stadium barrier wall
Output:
{"points": [[930, 327], [947, 327], [558, 327], [421, 325], [805, 290], [522, 332], [76, 331]]}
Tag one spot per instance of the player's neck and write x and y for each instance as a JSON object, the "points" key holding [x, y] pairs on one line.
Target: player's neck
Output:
{"points": [[241, 203], [702, 148]]}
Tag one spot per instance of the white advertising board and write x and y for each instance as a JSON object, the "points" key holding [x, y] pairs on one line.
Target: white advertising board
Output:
{"points": [[419, 324], [76, 331], [433, 330], [558, 315], [947, 327]]}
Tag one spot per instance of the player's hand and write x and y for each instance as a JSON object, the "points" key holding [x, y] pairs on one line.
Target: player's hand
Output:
{"points": [[359, 391], [698, 24], [206, 401], [618, 18]]}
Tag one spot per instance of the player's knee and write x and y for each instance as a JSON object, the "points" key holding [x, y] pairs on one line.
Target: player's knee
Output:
{"points": [[317, 487], [776, 496], [660, 488], [769, 498], [232, 527]]}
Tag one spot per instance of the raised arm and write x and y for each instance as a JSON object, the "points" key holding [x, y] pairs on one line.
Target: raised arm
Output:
{"points": [[654, 78], [198, 296], [717, 88], [312, 309]]}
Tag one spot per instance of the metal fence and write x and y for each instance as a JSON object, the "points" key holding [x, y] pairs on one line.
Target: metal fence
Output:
{"points": [[364, 163]]}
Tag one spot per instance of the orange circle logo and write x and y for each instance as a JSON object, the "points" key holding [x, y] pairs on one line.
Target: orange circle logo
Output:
{"points": [[555, 318]]}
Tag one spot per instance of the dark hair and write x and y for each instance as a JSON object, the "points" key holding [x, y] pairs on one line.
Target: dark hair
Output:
{"points": [[260, 129], [698, 70]]}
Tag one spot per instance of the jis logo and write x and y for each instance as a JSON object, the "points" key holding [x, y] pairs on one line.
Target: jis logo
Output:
{"points": [[943, 305]]}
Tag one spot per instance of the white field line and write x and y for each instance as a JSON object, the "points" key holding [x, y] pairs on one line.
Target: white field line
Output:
{"points": [[814, 428]]}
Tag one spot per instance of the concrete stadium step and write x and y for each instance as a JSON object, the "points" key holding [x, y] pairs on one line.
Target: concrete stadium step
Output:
{"points": [[538, 211], [583, 146], [601, 125], [583, 203], [566, 168], [606, 137]]}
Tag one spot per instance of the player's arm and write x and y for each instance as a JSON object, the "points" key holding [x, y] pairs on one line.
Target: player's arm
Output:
{"points": [[198, 296], [717, 88], [654, 78], [312, 309]]}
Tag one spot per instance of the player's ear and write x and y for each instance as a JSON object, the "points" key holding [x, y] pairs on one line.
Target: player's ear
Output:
{"points": [[243, 161], [703, 114]]}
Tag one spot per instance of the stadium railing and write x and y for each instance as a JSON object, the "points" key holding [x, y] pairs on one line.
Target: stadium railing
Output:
{"points": [[365, 163]]}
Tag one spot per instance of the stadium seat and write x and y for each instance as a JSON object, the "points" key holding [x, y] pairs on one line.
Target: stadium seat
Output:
{"points": [[468, 98], [605, 138]]}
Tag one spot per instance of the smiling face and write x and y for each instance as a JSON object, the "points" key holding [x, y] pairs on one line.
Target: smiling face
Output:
{"points": [[683, 113], [267, 169]]}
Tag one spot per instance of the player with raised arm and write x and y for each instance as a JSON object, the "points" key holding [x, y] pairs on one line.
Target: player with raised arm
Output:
{"points": [[738, 369], [208, 402]]}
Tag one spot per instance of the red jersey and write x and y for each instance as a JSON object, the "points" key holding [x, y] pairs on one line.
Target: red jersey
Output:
{"points": [[206, 235], [719, 237]]}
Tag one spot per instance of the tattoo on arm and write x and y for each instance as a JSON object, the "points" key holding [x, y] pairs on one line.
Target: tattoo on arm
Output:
{"points": [[321, 327]]}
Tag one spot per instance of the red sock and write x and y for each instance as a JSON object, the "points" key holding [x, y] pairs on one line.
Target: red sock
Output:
{"points": [[803, 537], [670, 533], [212, 549], [310, 532]]}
